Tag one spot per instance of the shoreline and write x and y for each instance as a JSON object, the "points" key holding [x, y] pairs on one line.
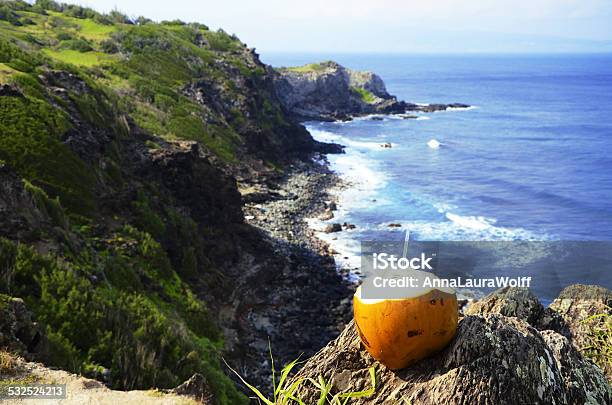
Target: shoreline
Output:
{"points": [[306, 303]]}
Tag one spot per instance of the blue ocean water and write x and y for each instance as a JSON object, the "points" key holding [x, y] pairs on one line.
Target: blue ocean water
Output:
{"points": [[532, 160]]}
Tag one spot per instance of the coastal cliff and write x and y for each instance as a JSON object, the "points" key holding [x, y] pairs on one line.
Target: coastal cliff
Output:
{"points": [[330, 91], [154, 181], [125, 150]]}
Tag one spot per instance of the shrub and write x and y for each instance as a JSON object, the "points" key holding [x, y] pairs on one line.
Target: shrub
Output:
{"points": [[77, 44]]}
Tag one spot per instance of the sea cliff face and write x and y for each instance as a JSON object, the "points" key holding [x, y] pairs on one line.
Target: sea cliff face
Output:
{"points": [[330, 91]]}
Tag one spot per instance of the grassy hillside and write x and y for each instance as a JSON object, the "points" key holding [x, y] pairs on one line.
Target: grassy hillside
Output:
{"points": [[114, 221]]}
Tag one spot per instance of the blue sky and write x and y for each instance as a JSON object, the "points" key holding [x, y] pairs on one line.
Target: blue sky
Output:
{"points": [[438, 26]]}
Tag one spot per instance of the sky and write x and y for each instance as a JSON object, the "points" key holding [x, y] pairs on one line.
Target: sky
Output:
{"points": [[393, 26]]}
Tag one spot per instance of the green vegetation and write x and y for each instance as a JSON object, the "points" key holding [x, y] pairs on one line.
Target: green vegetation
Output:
{"points": [[75, 57], [599, 341], [120, 307], [364, 94], [311, 67], [85, 93], [286, 391]]}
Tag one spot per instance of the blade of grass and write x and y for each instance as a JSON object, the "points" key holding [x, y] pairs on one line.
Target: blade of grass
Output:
{"points": [[365, 393], [273, 370], [284, 374]]}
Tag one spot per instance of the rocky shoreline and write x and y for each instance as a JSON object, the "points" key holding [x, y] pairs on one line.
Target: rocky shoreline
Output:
{"points": [[307, 303]]}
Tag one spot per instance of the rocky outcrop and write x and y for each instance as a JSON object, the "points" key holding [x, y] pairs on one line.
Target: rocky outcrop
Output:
{"points": [[19, 333], [494, 359], [520, 303], [586, 311], [197, 388], [19, 216], [210, 196], [330, 91]]}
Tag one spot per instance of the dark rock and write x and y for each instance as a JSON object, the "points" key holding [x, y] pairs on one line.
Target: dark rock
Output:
{"points": [[394, 225], [584, 382], [332, 228], [346, 225], [7, 90], [18, 331], [20, 217], [386, 145], [211, 196], [327, 91], [329, 148], [517, 302], [197, 388], [520, 303], [493, 360]]}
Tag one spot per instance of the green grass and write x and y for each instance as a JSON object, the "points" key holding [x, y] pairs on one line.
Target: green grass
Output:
{"points": [[311, 67], [94, 31], [86, 27], [365, 95], [286, 391], [86, 59], [5, 73]]}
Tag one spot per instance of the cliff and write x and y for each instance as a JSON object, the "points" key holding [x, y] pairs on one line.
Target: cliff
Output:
{"points": [[123, 148], [330, 91]]}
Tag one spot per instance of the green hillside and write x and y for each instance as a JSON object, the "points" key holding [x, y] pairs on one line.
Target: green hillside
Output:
{"points": [[113, 217]]}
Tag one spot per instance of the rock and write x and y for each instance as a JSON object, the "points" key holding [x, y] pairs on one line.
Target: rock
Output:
{"points": [[576, 304], [493, 360], [346, 225], [8, 90], [18, 331], [20, 217], [329, 91], [517, 302], [394, 225], [332, 228], [584, 382], [386, 145], [332, 206], [376, 118], [327, 215], [520, 303], [196, 387], [210, 195]]}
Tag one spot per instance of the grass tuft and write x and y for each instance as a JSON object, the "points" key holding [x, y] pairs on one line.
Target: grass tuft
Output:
{"points": [[365, 95], [285, 391], [7, 363]]}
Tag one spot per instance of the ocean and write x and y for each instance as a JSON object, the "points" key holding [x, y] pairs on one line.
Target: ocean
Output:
{"points": [[530, 160]]}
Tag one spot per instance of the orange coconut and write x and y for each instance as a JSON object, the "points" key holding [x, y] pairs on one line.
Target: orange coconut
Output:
{"points": [[400, 331]]}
